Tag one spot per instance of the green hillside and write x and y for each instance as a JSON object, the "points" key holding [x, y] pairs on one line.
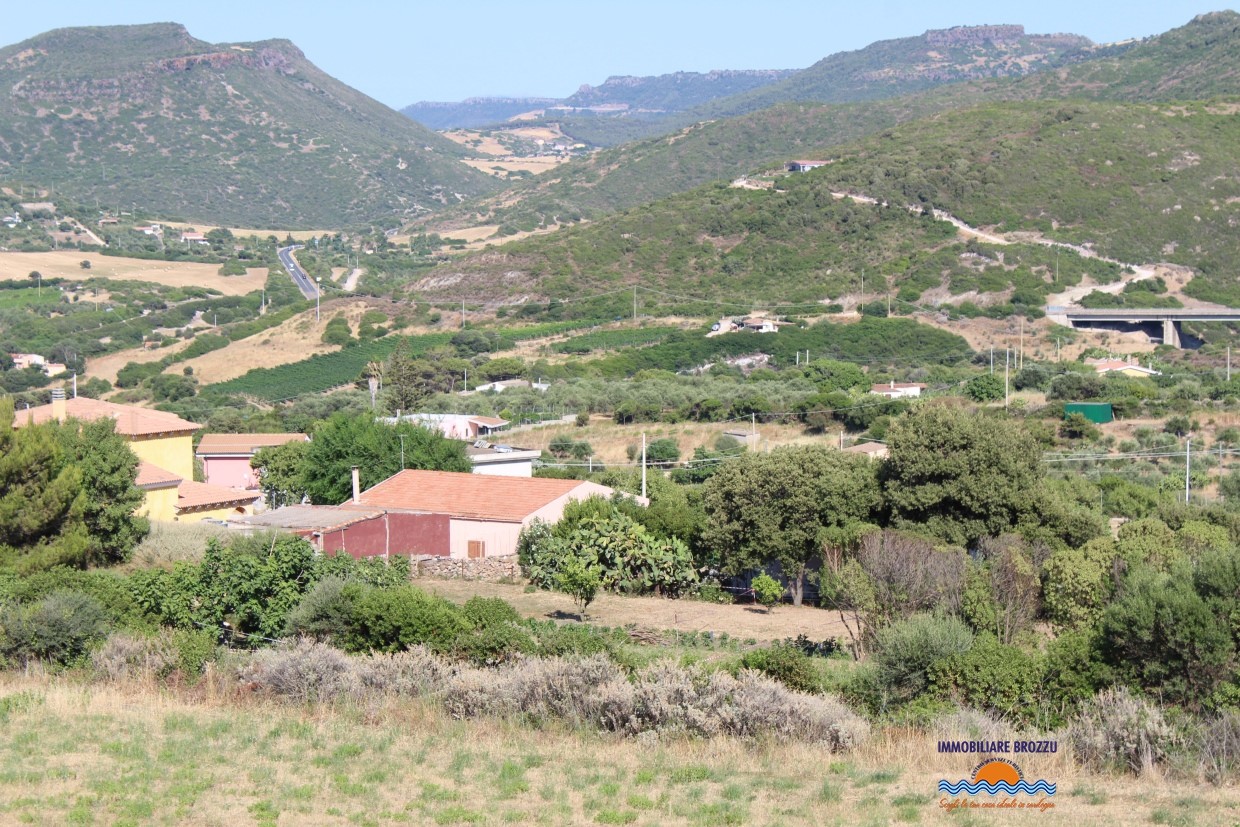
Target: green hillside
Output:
{"points": [[891, 68], [1140, 182], [248, 134], [1198, 60]]}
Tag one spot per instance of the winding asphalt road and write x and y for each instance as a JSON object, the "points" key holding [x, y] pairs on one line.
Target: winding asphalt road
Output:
{"points": [[300, 277]]}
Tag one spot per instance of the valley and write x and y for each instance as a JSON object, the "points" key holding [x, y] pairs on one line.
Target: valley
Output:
{"points": [[700, 447]]}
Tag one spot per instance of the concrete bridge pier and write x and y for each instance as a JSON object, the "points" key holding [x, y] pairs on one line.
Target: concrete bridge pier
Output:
{"points": [[1171, 332]]}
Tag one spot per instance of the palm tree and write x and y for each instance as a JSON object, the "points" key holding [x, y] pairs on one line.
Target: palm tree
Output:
{"points": [[374, 377]]}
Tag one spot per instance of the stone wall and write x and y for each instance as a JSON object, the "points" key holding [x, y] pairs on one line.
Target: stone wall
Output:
{"points": [[459, 568]]}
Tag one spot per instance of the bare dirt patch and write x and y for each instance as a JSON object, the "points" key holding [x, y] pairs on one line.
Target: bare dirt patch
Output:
{"points": [[66, 264], [737, 620]]}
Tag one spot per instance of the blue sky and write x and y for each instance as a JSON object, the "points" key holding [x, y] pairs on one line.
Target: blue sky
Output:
{"points": [[401, 52]]}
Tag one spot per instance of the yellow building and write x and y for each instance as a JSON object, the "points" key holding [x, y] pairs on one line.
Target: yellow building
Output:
{"points": [[163, 443]]}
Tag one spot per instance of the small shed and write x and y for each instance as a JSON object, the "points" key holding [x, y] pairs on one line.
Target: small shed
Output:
{"points": [[1099, 413]]}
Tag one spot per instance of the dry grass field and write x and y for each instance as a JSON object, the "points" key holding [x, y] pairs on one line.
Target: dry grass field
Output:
{"points": [[611, 441], [66, 264], [507, 164], [209, 755], [739, 621], [241, 232]]}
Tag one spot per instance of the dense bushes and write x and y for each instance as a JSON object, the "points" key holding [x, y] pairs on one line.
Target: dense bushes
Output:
{"points": [[626, 556]]}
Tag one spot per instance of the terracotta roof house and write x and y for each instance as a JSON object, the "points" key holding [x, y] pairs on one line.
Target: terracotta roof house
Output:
{"points": [[873, 450], [484, 514], [163, 444], [226, 457]]}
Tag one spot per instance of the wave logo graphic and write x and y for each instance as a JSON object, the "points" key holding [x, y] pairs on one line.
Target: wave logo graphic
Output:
{"points": [[995, 777], [1002, 787]]}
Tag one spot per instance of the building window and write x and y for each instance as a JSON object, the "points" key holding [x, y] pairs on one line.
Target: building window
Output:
{"points": [[477, 548]]}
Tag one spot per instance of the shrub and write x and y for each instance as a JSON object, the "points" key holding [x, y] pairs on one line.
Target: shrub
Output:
{"points": [[327, 610], [580, 580], [58, 629], [395, 618], [124, 657], [1120, 731], [494, 644], [991, 676], [303, 671], [1162, 635], [905, 651], [558, 641], [767, 590], [415, 672], [786, 664], [485, 612], [1217, 746]]}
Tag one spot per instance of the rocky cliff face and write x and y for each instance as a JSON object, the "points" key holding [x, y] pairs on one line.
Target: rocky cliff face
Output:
{"points": [[974, 35]]}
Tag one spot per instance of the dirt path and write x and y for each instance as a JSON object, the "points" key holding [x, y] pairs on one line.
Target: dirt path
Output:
{"points": [[654, 612]]}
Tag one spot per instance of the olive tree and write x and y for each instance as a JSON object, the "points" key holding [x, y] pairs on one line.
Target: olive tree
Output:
{"points": [[778, 506]]}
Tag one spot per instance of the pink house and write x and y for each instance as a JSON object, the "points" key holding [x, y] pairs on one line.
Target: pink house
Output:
{"points": [[485, 514], [226, 457]]}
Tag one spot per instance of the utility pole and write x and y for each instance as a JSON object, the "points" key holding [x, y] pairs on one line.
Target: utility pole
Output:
{"points": [[1007, 355], [635, 317], [1188, 451], [643, 464], [1229, 363], [1020, 358], [992, 360]]}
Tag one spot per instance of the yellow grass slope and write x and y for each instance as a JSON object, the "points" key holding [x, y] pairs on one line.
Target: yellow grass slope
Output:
{"points": [[66, 264]]}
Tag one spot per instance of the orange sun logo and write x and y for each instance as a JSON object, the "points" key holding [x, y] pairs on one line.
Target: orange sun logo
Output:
{"points": [[994, 772]]}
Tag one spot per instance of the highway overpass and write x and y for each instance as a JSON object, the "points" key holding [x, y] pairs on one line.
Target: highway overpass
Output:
{"points": [[1155, 321]]}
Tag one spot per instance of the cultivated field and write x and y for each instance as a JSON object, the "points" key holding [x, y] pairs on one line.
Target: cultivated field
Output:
{"points": [[208, 755], [66, 264], [241, 232]]}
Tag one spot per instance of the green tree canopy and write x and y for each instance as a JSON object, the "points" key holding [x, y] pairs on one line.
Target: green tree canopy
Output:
{"points": [[774, 507], [343, 441], [959, 475], [279, 470]]}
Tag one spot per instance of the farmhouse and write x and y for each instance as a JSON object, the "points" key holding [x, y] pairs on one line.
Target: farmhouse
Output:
{"points": [[453, 426], [873, 450], [189, 236], [805, 166], [226, 457], [508, 384], [1131, 369], [501, 460], [163, 444], [485, 514], [899, 390]]}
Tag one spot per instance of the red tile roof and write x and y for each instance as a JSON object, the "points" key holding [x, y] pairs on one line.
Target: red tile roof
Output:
{"points": [[194, 495], [130, 420], [476, 496], [246, 444], [153, 476]]}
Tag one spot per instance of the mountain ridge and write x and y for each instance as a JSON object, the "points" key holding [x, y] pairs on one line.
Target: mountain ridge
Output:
{"points": [[247, 134]]}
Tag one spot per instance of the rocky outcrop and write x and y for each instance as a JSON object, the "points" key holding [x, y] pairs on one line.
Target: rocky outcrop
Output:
{"points": [[974, 35]]}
